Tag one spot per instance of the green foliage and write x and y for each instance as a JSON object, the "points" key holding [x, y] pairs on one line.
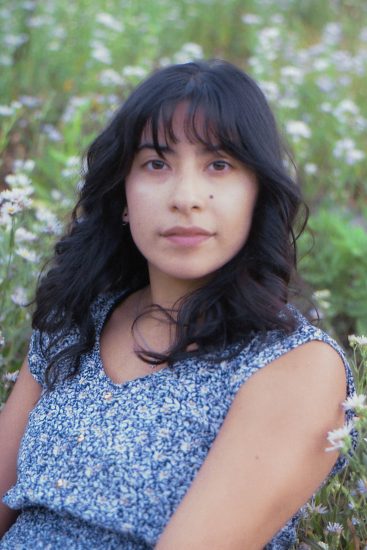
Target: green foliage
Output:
{"points": [[334, 259]]}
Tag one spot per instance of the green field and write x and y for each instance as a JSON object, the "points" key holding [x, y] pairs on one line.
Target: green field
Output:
{"points": [[65, 67]]}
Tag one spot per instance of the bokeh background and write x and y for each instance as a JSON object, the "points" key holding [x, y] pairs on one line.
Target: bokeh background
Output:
{"points": [[65, 67]]}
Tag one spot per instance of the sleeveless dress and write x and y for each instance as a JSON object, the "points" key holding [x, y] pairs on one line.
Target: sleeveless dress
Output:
{"points": [[104, 465]]}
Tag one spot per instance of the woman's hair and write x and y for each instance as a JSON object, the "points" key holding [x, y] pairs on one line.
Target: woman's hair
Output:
{"points": [[97, 254]]}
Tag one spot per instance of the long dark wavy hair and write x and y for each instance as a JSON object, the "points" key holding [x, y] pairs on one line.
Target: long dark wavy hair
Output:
{"points": [[98, 255]]}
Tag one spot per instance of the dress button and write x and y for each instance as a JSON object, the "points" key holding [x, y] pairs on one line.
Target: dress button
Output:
{"points": [[60, 483], [107, 396], [81, 438]]}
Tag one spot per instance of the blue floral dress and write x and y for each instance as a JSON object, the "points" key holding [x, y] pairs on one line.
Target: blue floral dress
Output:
{"points": [[104, 465]]}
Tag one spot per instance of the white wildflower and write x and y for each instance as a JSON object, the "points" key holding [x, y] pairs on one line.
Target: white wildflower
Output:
{"points": [[339, 437], [354, 155], [355, 401], [5, 110], [109, 21], [310, 168], [251, 19], [19, 296], [270, 90], [38, 21], [101, 53], [298, 129], [326, 84], [15, 40], [292, 74], [323, 545], [347, 151], [358, 340], [23, 235], [316, 508], [10, 376], [26, 254], [51, 132], [27, 165], [50, 221], [320, 64], [110, 77], [269, 34], [189, 52], [7, 210], [134, 71], [347, 106], [332, 33], [334, 528], [17, 196], [2, 340], [288, 102], [18, 180], [72, 167]]}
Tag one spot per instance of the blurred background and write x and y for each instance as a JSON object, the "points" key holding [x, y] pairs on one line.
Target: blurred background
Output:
{"points": [[66, 66]]}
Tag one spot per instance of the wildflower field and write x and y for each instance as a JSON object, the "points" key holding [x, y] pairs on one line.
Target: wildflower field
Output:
{"points": [[65, 67]]}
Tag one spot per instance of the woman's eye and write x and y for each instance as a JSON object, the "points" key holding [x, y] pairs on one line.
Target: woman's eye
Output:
{"points": [[155, 164], [220, 165]]}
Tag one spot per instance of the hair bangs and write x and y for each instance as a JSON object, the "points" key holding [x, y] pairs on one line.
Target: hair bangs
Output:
{"points": [[205, 122]]}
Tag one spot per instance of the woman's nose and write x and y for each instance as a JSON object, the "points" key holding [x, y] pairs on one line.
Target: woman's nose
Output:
{"points": [[187, 192]]}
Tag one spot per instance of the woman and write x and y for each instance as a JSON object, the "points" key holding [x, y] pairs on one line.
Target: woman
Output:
{"points": [[175, 399]]}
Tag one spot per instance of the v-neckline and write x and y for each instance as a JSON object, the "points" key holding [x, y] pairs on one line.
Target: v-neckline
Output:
{"points": [[102, 320]]}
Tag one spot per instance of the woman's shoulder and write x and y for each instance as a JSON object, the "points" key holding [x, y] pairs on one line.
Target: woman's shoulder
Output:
{"points": [[262, 350], [265, 348], [44, 345]]}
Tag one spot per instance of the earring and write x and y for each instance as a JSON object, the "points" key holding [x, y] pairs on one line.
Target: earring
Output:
{"points": [[125, 221]]}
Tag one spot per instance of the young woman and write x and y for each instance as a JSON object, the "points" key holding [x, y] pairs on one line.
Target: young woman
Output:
{"points": [[172, 398]]}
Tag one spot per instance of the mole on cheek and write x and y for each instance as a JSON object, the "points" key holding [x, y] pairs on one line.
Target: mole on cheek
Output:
{"points": [[211, 196]]}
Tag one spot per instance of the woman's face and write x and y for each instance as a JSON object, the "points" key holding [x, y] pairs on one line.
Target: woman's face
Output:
{"points": [[189, 212]]}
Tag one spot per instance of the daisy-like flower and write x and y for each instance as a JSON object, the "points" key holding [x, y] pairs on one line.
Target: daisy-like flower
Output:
{"points": [[10, 376], [298, 129], [334, 528], [23, 235], [357, 402], [340, 437], [357, 340], [19, 296], [28, 255], [109, 21], [316, 509]]}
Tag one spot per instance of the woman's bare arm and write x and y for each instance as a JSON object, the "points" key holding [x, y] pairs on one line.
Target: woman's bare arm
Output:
{"points": [[13, 420], [268, 458]]}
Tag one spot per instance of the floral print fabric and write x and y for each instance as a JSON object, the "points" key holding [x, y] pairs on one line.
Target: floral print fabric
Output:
{"points": [[105, 465]]}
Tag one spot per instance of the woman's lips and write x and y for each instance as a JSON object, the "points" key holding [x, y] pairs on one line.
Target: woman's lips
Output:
{"points": [[187, 236]]}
